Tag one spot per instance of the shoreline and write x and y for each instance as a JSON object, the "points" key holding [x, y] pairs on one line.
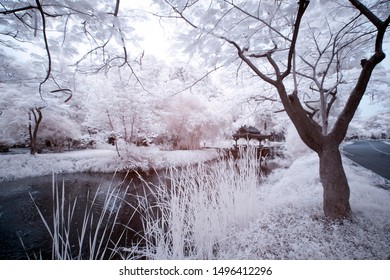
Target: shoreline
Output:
{"points": [[19, 166]]}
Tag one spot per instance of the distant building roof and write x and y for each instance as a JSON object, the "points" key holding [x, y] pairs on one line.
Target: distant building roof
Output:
{"points": [[248, 129], [249, 132]]}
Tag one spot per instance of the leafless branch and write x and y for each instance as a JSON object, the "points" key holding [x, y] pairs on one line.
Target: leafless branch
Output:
{"points": [[47, 48], [116, 8], [367, 13], [16, 10], [197, 81], [313, 109], [249, 62], [230, 2], [341, 125], [263, 98], [265, 54], [330, 104], [181, 13], [301, 10]]}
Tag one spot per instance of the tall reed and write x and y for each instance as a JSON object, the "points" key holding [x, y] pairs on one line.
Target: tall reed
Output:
{"points": [[193, 214], [190, 213], [95, 235]]}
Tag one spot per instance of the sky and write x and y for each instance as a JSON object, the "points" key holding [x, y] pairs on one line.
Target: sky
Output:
{"points": [[156, 36], [386, 62]]}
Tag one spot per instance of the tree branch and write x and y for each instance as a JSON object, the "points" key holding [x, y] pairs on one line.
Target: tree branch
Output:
{"points": [[308, 129], [379, 24], [248, 62], [181, 14], [116, 8], [16, 10], [301, 10], [265, 54], [258, 18], [367, 13], [48, 71], [340, 128], [197, 81], [330, 104]]}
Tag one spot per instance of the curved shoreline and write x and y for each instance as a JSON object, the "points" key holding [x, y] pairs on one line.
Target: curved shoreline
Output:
{"points": [[18, 166]]}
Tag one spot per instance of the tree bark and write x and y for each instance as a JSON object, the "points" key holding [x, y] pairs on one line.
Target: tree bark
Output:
{"points": [[334, 181], [335, 184], [33, 133], [112, 128]]}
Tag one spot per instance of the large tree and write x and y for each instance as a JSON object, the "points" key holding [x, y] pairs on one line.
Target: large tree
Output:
{"points": [[43, 43], [309, 52]]}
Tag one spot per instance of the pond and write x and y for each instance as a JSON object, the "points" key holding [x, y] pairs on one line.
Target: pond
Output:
{"points": [[23, 234], [224, 186]]}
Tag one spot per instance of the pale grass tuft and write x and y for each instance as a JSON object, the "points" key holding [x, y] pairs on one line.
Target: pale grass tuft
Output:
{"points": [[94, 238], [193, 214]]}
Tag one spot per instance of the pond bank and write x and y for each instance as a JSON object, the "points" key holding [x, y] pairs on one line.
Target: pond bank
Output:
{"points": [[23, 234], [17, 166]]}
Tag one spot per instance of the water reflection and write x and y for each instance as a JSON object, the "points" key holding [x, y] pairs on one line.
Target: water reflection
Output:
{"points": [[21, 222]]}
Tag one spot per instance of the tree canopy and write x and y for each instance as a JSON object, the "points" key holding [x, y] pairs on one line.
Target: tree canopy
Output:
{"points": [[56, 38], [81, 61], [308, 52]]}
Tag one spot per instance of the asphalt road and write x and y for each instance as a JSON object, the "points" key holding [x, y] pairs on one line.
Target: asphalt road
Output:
{"points": [[373, 155]]}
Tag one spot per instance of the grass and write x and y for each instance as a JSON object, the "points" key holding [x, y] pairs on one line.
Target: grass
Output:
{"points": [[95, 234], [225, 210], [193, 214], [189, 214]]}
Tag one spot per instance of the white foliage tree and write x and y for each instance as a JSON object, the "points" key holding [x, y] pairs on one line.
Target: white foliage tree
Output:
{"points": [[296, 48], [189, 121], [121, 109], [32, 121]]}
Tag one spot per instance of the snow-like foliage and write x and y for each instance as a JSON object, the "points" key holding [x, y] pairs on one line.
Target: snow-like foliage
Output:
{"points": [[290, 224], [76, 33], [58, 131], [281, 218], [98, 160], [188, 121], [328, 54], [294, 145]]}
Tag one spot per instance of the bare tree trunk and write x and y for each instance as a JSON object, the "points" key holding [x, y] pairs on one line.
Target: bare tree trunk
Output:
{"points": [[335, 184], [131, 140], [33, 133], [112, 128], [334, 181]]}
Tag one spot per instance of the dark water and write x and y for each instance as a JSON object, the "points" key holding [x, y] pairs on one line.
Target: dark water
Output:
{"points": [[20, 221]]}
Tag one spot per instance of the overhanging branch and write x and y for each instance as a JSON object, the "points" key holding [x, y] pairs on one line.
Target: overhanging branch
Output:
{"points": [[367, 13], [241, 54], [301, 10], [48, 71], [16, 10], [265, 54], [340, 128]]}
